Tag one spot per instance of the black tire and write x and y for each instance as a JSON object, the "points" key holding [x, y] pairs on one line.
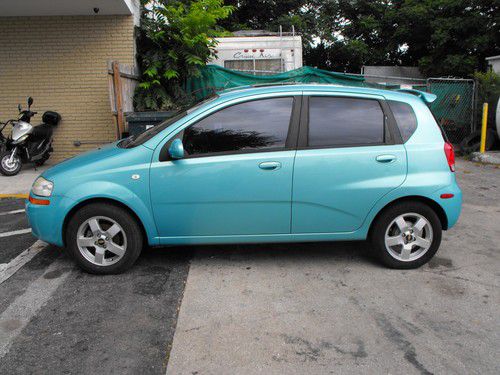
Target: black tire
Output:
{"points": [[134, 237], [386, 217], [9, 172], [472, 142]]}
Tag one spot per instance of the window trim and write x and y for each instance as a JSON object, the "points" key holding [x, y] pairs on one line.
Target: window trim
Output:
{"points": [[391, 132], [290, 142]]}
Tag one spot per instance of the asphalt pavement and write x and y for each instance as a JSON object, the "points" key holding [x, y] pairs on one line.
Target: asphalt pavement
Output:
{"points": [[55, 319]]}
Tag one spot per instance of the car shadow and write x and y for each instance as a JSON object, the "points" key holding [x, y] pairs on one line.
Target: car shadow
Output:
{"points": [[355, 252]]}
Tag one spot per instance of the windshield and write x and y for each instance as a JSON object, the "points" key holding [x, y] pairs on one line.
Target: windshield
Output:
{"points": [[139, 139]]}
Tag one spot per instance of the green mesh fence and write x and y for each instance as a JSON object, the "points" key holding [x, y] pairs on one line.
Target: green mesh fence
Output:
{"points": [[454, 106], [215, 78]]}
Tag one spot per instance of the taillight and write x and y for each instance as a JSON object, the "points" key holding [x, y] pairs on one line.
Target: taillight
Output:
{"points": [[450, 155]]}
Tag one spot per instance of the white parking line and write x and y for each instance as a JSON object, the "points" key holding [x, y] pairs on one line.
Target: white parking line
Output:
{"points": [[15, 232], [8, 269], [12, 212], [23, 308]]}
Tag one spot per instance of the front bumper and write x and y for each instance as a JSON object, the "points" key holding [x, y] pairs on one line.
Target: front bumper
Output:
{"points": [[47, 221]]}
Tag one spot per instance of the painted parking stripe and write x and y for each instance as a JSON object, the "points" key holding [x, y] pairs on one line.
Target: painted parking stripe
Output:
{"points": [[15, 232], [12, 212], [8, 269], [23, 308]]}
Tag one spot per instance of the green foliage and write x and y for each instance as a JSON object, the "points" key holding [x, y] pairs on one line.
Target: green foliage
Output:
{"points": [[488, 92], [489, 86], [175, 39]]}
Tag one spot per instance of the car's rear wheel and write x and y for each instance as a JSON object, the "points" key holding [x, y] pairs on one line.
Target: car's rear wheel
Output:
{"points": [[406, 235], [104, 238]]}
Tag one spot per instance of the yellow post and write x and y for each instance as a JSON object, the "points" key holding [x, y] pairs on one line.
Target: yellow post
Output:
{"points": [[482, 148]]}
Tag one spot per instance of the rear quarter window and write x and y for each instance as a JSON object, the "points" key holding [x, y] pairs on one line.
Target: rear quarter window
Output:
{"points": [[405, 118]]}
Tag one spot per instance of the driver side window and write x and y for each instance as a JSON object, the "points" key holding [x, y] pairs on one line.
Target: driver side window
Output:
{"points": [[254, 125]]}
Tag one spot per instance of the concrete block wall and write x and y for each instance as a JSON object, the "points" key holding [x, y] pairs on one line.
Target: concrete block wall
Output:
{"points": [[62, 63]]}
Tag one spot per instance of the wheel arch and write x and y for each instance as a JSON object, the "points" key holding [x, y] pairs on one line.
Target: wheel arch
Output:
{"points": [[111, 201], [436, 207]]}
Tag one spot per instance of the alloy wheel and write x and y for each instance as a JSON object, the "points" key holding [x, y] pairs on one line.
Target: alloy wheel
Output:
{"points": [[101, 240], [408, 237]]}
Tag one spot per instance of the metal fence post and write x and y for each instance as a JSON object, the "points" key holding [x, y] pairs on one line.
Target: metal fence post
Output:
{"points": [[484, 126]]}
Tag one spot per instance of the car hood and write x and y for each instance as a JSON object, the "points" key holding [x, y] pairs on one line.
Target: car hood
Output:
{"points": [[82, 160], [98, 162]]}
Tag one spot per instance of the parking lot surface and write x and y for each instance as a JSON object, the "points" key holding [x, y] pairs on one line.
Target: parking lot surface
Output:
{"points": [[55, 319], [290, 308]]}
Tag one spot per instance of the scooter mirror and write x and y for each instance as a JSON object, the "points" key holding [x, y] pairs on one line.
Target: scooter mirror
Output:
{"points": [[30, 101], [19, 108]]}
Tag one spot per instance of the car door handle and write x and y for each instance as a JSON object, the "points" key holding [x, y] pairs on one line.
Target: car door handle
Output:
{"points": [[270, 165], [386, 158]]}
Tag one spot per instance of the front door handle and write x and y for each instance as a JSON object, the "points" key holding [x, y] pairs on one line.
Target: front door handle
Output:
{"points": [[386, 158], [270, 165]]}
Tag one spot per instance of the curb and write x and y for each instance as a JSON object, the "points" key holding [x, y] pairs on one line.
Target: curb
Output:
{"points": [[18, 196], [487, 158]]}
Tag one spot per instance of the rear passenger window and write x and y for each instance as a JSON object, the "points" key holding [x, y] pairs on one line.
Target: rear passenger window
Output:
{"points": [[344, 122], [405, 118]]}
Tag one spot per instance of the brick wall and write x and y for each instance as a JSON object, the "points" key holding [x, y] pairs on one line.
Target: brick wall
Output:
{"points": [[62, 63]]}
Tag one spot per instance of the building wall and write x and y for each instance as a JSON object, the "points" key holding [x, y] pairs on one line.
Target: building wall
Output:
{"points": [[62, 63]]}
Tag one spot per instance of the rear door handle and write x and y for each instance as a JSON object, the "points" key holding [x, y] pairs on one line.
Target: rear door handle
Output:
{"points": [[386, 158], [270, 165]]}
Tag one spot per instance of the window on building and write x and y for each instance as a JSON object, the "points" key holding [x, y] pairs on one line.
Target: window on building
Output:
{"points": [[256, 66]]}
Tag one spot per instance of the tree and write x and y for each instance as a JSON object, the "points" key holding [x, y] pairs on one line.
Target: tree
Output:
{"points": [[175, 39], [442, 37]]}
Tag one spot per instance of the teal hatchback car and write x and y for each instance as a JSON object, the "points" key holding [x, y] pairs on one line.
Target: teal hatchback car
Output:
{"points": [[260, 164]]}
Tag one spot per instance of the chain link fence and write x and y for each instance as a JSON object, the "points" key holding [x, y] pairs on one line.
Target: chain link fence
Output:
{"points": [[454, 107]]}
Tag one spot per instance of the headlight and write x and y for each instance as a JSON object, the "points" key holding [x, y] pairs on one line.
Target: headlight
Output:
{"points": [[42, 187], [20, 139]]}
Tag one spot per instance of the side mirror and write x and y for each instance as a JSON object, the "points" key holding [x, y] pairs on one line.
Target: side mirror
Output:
{"points": [[19, 108], [176, 149], [30, 101]]}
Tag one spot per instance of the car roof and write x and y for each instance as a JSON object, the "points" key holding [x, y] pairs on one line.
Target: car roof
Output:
{"points": [[408, 95]]}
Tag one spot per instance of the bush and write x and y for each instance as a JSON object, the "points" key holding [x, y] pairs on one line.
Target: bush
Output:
{"points": [[488, 92], [175, 39]]}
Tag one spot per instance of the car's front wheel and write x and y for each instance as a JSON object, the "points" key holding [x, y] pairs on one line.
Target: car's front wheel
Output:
{"points": [[104, 238], [406, 235]]}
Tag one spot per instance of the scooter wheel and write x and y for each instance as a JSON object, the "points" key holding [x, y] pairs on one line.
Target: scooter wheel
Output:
{"points": [[8, 168]]}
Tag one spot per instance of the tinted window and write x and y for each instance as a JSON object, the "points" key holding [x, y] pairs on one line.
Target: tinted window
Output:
{"points": [[345, 121], [405, 118], [255, 125]]}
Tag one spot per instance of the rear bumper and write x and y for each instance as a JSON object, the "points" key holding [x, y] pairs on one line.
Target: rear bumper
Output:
{"points": [[451, 206], [47, 221]]}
